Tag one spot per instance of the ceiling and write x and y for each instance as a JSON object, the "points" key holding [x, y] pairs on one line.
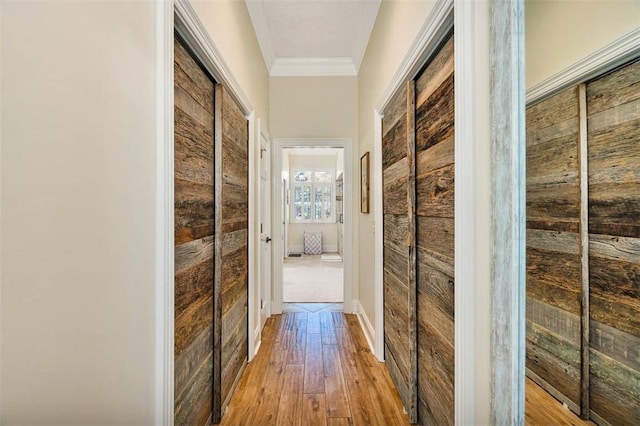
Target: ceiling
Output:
{"points": [[313, 37]]}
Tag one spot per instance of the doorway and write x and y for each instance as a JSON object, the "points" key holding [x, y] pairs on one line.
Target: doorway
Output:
{"points": [[311, 256], [313, 268]]}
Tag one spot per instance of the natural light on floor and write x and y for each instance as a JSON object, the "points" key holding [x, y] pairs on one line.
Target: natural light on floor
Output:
{"points": [[313, 278]]}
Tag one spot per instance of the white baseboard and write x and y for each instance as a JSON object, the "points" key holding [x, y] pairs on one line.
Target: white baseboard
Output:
{"points": [[326, 248], [257, 341], [365, 324]]}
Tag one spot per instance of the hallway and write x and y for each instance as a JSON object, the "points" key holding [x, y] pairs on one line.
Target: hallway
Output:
{"points": [[315, 368]]}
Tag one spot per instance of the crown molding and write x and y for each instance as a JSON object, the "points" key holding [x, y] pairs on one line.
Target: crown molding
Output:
{"points": [[362, 39], [607, 58], [261, 27], [313, 67]]}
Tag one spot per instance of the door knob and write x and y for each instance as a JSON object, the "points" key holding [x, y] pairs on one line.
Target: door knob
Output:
{"points": [[267, 239]]}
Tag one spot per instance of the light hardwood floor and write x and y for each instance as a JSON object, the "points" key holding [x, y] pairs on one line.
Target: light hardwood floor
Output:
{"points": [[314, 367], [541, 409]]}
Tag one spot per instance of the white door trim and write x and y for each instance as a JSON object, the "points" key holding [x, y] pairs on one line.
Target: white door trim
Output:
{"points": [[376, 181], [276, 224], [264, 140], [253, 237], [164, 226], [170, 16]]}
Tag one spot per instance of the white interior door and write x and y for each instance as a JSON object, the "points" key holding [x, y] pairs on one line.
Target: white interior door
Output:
{"points": [[265, 229]]}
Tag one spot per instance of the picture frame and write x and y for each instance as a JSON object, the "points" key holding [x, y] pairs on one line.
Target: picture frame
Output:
{"points": [[364, 183]]}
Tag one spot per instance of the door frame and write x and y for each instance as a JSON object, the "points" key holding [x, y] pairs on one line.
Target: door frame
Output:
{"points": [[178, 16], [279, 144], [263, 136]]}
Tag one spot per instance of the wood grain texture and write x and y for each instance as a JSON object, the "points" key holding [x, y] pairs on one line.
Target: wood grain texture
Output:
{"points": [[613, 121], [435, 188], [231, 244], [609, 296], [552, 181], [395, 113], [435, 117], [623, 81], [541, 409], [411, 402], [395, 197], [290, 407], [614, 157], [276, 389], [554, 264], [398, 163], [194, 234]]}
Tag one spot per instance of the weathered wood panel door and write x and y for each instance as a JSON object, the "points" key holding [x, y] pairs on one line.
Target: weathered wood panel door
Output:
{"points": [[583, 246], [194, 240], [211, 243], [418, 204], [231, 244], [553, 247], [434, 185], [613, 105], [398, 249]]}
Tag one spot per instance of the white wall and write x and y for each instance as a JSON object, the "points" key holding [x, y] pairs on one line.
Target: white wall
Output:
{"points": [[560, 33], [314, 107], [395, 29], [77, 173], [78, 184], [329, 230]]}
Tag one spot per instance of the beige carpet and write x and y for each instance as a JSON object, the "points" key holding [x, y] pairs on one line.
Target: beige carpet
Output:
{"points": [[311, 279]]}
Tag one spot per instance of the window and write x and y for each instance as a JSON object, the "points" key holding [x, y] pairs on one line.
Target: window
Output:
{"points": [[312, 196]]}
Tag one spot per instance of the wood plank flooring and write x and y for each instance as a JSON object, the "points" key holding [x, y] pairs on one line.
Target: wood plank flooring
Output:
{"points": [[541, 409], [314, 367]]}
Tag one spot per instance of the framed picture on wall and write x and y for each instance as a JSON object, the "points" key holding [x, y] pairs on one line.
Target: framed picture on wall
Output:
{"points": [[364, 183]]}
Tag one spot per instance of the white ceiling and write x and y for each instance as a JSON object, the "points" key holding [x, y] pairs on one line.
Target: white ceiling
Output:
{"points": [[313, 37]]}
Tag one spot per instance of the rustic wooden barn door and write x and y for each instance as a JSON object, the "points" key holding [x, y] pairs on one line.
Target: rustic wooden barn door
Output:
{"points": [[399, 247], [435, 238], [418, 204], [194, 239], [583, 246], [211, 240], [553, 247], [613, 105], [231, 244]]}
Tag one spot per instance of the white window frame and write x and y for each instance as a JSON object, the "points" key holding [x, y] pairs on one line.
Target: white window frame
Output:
{"points": [[313, 184]]}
